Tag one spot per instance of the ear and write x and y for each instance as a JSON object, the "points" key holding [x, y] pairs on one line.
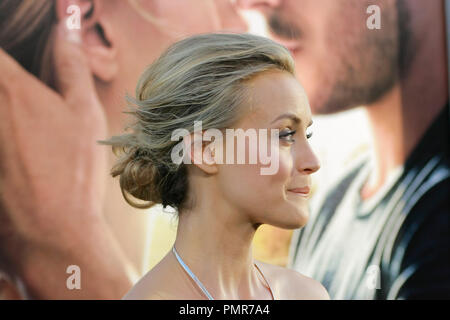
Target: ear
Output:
{"points": [[201, 153], [96, 34]]}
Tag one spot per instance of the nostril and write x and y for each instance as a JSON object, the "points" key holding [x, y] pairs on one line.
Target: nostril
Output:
{"points": [[311, 169]]}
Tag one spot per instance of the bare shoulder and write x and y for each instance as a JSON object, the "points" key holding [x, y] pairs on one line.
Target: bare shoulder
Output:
{"points": [[145, 289], [289, 284], [152, 285], [165, 281], [134, 294]]}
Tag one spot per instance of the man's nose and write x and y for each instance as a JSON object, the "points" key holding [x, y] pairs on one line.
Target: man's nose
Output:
{"points": [[231, 20], [257, 4]]}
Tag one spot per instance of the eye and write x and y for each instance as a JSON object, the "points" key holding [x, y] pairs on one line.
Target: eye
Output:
{"points": [[287, 134], [309, 135]]}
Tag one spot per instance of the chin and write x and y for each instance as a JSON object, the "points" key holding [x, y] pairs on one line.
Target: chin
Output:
{"points": [[301, 221], [293, 219]]}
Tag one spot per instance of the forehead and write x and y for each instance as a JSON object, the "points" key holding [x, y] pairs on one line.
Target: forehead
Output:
{"points": [[273, 93]]}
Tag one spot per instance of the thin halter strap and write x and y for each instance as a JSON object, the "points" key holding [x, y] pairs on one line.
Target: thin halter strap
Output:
{"points": [[267, 282], [201, 286], [192, 275]]}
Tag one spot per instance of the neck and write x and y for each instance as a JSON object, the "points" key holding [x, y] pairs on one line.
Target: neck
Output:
{"points": [[216, 243], [401, 117]]}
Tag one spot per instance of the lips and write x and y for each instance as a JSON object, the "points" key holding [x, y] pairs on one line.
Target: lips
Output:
{"points": [[301, 191], [292, 45]]}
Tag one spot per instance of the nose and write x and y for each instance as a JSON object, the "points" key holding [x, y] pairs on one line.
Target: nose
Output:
{"points": [[230, 18], [257, 4], [306, 161]]}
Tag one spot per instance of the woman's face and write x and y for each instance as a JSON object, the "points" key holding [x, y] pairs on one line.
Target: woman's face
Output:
{"points": [[276, 101]]}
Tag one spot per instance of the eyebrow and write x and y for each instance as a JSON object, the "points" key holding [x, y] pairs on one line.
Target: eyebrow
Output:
{"points": [[292, 117]]}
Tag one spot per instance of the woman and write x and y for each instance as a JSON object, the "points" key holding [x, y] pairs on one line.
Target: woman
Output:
{"points": [[226, 81]]}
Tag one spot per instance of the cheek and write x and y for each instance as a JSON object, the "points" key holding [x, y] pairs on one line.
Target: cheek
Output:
{"points": [[285, 166], [241, 186], [244, 187], [273, 187], [264, 192], [134, 54], [202, 16]]}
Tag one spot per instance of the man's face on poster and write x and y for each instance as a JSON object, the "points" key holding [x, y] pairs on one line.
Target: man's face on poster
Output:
{"points": [[339, 60]]}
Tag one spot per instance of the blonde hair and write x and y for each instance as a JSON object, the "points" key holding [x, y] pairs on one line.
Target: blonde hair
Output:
{"points": [[201, 78]]}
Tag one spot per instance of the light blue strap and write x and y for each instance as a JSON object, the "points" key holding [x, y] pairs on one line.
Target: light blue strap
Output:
{"points": [[191, 274]]}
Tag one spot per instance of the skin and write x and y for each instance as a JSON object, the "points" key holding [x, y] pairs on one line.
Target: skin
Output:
{"points": [[230, 201], [54, 207], [121, 65], [342, 64]]}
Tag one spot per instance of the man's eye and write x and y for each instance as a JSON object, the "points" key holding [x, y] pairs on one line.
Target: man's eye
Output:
{"points": [[309, 135], [287, 135]]}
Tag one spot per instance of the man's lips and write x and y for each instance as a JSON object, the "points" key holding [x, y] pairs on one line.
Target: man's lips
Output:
{"points": [[293, 45], [301, 191]]}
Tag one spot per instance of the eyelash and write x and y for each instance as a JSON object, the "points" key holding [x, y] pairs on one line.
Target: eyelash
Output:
{"points": [[291, 133]]}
